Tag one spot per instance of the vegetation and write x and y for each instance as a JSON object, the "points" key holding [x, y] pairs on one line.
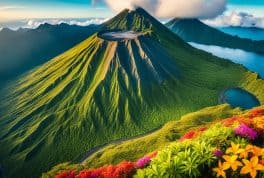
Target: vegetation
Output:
{"points": [[188, 29], [102, 90], [228, 147], [171, 131]]}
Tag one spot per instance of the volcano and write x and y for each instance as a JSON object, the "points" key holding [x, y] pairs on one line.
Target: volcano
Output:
{"points": [[129, 78], [193, 30]]}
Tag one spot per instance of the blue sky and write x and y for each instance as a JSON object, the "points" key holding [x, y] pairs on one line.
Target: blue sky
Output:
{"points": [[20, 9]]}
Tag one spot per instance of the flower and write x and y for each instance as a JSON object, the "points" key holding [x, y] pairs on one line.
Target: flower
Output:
{"points": [[231, 161], [143, 162], [246, 151], [245, 131], [90, 174], [66, 174], [220, 170], [202, 129], [230, 121], [256, 112], [261, 162], [234, 149], [258, 124], [218, 153], [189, 135], [252, 167]]}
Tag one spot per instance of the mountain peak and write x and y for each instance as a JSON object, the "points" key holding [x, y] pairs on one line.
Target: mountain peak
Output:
{"points": [[175, 21], [136, 20]]}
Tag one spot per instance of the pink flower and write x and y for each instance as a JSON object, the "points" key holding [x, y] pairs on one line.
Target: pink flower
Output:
{"points": [[246, 132], [143, 162]]}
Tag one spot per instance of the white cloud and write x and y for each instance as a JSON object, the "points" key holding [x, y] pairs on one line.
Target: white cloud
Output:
{"points": [[173, 8], [34, 23], [234, 18], [6, 8]]}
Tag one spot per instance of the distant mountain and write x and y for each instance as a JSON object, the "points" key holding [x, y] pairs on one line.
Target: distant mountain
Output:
{"points": [[193, 30], [245, 32], [110, 86], [25, 49]]}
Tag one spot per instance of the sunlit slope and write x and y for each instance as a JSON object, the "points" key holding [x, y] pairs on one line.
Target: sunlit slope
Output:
{"points": [[104, 90]]}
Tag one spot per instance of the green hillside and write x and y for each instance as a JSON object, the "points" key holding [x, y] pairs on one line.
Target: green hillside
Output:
{"points": [[104, 90], [133, 149], [193, 30]]}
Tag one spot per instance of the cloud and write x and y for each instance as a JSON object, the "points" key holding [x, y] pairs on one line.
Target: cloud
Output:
{"points": [[234, 18], [6, 8], [35, 23], [173, 8]]}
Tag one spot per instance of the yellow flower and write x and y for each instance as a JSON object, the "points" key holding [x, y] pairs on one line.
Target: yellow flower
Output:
{"points": [[245, 152], [231, 161], [252, 167], [234, 149], [259, 123], [255, 151], [220, 170], [262, 152]]}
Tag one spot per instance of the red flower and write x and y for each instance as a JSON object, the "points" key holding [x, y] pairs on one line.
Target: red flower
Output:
{"points": [[256, 112], [125, 170], [189, 135], [230, 121], [66, 174], [202, 129], [108, 171], [122, 170]]}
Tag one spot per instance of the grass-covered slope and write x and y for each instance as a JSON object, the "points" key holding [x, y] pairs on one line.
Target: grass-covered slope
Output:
{"points": [[105, 90], [171, 131], [193, 30], [189, 147]]}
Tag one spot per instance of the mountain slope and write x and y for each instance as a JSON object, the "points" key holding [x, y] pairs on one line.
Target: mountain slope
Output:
{"points": [[102, 90], [193, 30], [23, 50]]}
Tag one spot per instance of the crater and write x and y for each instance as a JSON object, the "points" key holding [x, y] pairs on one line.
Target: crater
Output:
{"points": [[238, 97], [118, 35]]}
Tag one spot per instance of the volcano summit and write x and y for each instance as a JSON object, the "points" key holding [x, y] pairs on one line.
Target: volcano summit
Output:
{"points": [[118, 35]]}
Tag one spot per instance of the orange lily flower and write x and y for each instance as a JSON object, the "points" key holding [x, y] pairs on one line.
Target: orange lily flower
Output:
{"points": [[220, 170], [231, 161], [252, 167], [262, 153], [234, 149], [256, 151]]}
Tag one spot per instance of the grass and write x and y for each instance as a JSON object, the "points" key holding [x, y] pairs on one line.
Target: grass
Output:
{"points": [[101, 91], [130, 149], [171, 131]]}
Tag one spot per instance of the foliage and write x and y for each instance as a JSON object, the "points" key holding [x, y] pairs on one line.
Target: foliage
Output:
{"points": [[223, 150]]}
